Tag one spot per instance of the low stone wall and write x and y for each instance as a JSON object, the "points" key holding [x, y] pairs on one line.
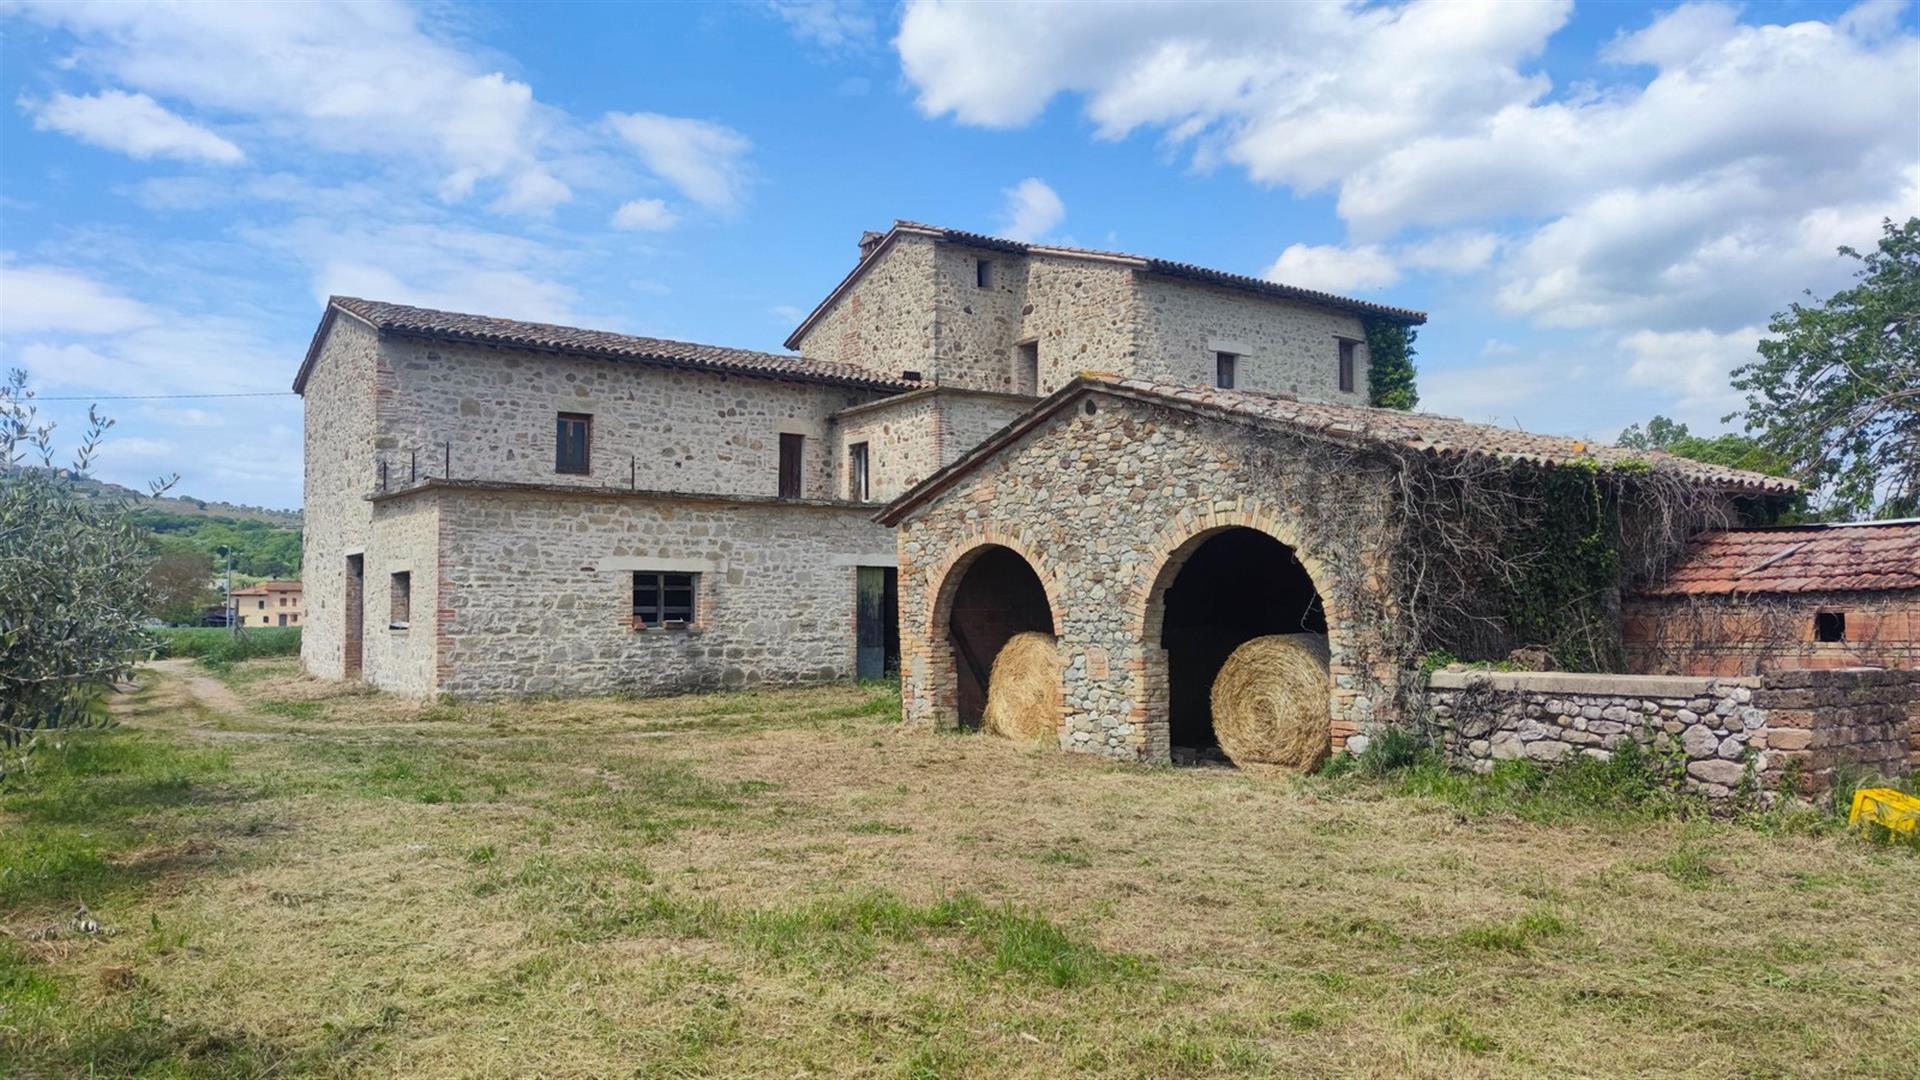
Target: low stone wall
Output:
{"points": [[1798, 724]]}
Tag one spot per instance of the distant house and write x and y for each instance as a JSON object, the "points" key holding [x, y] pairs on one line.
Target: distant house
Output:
{"points": [[270, 603], [1751, 601]]}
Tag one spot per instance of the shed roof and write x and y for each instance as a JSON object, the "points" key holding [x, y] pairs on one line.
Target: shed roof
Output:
{"points": [[1353, 424], [1163, 267], [1849, 557], [267, 587], [437, 325]]}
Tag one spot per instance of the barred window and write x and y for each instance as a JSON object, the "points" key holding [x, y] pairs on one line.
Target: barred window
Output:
{"points": [[663, 599]]}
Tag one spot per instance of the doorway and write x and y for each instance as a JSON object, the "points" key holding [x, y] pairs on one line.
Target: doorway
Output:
{"points": [[877, 622], [356, 597]]}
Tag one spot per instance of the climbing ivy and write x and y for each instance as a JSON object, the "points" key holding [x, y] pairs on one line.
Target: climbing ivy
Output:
{"points": [[1390, 365], [1563, 591]]}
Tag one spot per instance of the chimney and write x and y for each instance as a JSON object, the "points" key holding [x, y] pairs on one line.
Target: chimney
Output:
{"points": [[868, 241]]}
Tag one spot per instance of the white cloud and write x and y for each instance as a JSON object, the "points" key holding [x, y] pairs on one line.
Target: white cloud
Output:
{"points": [[702, 159], [1333, 268], [1454, 253], [35, 299], [836, 25], [1032, 210], [1692, 366], [787, 313], [366, 78], [133, 124], [645, 215], [1490, 393]]}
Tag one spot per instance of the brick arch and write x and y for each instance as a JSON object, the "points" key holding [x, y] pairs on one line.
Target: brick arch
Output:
{"points": [[1162, 562], [943, 583]]}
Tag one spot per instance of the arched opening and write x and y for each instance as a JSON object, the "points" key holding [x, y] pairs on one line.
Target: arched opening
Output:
{"points": [[998, 596], [1234, 585]]}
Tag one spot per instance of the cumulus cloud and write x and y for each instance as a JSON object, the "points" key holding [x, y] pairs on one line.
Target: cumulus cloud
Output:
{"points": [[36, 299], [1032, 210], [134, 124], [1691, 366], [649, 215], [355, 78], [1333, 268], [704, 160], [835, 25]]}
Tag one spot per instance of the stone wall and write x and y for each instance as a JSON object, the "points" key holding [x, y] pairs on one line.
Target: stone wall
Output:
{"points": [[1105, 506], [1283, 346], [538, 590], [1753, 633], [339, 431], [1792, 727], [656, 428], [405, 539], [902, 437], [885, 320], [977, 327]]}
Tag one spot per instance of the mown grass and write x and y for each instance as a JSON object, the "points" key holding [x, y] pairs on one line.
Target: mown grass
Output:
{"points": [[785, 883]]}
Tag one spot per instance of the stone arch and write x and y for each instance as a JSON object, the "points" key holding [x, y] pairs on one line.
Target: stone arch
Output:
{"points": [[957, 665], [1164, 560]]}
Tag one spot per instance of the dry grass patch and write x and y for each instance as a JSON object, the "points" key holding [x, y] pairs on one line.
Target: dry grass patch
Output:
{"points": [[787, 883]]}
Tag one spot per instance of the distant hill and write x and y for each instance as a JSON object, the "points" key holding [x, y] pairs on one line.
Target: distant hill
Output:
{"points": [[265, 542], [185, 505]]}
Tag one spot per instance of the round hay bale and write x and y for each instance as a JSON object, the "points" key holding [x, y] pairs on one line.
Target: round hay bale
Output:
{"points": [[1270, 702], [1023, 689]]}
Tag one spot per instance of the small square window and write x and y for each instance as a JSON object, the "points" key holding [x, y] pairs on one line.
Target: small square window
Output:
{"points": [[663, 599], [401, 610], [1225, 367], [983, 273], [1830, 626]]}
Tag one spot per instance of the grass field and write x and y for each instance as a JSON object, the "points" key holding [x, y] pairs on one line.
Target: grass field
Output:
{"points": [[218, 646], [334, 882]]}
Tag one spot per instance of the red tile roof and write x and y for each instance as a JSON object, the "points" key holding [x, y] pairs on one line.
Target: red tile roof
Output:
{"points": [[1856, 556], [1164, 267], [547, 337], [1355, 424]]}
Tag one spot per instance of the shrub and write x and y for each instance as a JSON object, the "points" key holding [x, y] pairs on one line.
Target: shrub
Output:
{"points": [[217, 647]]}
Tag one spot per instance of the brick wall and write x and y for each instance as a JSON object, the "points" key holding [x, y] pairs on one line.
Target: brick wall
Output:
{"points": [[1747, 635], [1798, 727]]}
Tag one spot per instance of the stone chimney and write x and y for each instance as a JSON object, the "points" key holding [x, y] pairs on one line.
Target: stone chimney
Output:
{"points": [[868, 241]]}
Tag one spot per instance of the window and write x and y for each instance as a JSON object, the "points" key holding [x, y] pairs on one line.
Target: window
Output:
{"points": [[283, 620], [1830, 626], [1224, 365], [983, 272], [663, 599], [572, 443], [402, 603], [857, 470], [1346, 366], [1026, 370], [791, 448]]}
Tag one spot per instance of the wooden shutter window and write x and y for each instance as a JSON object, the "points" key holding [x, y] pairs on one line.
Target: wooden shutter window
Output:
{"points": [[1346, 366], [1224, 365], [857, 456], [572, 443], [791, 448]]}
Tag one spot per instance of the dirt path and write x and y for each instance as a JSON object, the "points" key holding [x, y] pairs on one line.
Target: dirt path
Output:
{"points": [[210, 691]]}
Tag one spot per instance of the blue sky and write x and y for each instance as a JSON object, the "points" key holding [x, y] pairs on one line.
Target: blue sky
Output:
{"points": [[1598, 205]]}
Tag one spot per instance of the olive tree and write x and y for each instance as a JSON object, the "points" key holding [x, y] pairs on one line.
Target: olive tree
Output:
{"points": [[73, 580]]}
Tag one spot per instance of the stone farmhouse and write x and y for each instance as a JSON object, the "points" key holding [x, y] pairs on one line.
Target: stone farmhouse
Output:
{"points": [[497, 506], [972, 437]]}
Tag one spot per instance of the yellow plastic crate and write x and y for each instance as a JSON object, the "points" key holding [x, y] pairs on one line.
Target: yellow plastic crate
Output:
{"points": [[1885, 806]]}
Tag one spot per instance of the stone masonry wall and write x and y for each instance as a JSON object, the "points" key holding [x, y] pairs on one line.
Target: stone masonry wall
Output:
{"points": [[339, 405], [1083, 315], [663, 429], [538, 591], [1104, 507], [885, 321], [977, 327], [405, 537], [1284, 347], [902, 437], [1751, 634], [1794, 726]]}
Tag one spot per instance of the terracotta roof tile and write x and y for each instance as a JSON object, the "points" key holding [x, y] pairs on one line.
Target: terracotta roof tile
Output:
{"points": [[1442, 435], [483, 329], [1856, 556]]}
